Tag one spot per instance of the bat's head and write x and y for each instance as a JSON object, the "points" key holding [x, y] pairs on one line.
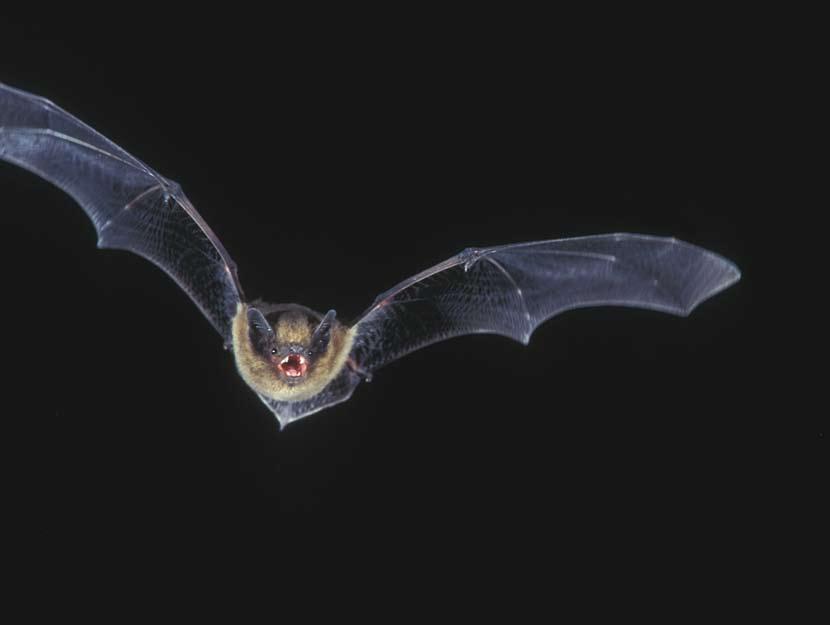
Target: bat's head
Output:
{"points": [[293, 345], [291, 353]]}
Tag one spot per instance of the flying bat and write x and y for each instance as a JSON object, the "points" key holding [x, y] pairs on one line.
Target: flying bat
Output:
{"points": [[299, 361]]}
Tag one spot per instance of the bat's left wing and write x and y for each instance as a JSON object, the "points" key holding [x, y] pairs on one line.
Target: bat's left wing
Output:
{"points": [[131, 206], [512, 289]]}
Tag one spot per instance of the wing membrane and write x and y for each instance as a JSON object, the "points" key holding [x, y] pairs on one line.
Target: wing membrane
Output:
{"points": [[512, 289], [131, 206]]}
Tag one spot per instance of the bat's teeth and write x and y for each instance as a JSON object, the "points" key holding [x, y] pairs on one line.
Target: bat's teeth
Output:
{"points": [[293, 365]]}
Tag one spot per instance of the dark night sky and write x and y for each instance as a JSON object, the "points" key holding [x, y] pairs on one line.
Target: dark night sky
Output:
{"points": [[331, 172]]}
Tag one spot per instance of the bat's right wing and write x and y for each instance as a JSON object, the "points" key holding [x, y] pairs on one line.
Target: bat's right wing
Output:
{"points": [[512, 289], [132, 207]]}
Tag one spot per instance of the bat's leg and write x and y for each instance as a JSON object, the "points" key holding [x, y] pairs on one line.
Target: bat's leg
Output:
{"points": [[366, 375]]}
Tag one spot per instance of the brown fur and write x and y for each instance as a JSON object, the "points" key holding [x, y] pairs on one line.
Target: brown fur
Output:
{"points": [[291, 327]]}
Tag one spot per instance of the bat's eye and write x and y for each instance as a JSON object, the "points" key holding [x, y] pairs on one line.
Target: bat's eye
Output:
{"points": [[273, 350]]}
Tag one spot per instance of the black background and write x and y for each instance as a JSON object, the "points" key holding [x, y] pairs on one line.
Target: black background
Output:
{"points": [[333, 165]]}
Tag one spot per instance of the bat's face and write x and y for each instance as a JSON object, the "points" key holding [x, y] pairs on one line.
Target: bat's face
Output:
{"points": [[291, 354], [286, 343]]}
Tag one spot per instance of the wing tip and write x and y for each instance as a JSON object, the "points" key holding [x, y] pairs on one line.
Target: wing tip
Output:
{"points": [[729, 275]]}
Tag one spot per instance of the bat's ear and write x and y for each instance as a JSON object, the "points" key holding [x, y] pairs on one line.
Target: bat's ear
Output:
{"points": [[322, 335], [260, 331]]}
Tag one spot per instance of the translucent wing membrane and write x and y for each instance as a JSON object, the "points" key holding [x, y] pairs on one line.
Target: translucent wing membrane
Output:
{"points": [[339, 390], [132, 207], [511, 289]]}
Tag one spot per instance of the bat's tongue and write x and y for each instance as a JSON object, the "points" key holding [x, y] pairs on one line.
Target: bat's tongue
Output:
{"points": [[293, 365]]}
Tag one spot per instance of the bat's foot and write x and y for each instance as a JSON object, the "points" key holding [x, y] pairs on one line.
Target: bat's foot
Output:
{"points": [[366, 375]]}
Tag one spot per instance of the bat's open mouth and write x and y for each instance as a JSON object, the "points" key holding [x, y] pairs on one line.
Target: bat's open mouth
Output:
{"points": [[293, 365]]}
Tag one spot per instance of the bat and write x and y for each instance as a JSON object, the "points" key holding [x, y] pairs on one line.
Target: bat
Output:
{"points": [[299, 361]]}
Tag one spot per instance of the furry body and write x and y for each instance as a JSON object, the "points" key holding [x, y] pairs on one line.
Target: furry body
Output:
{"points": [[292, 324]]}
